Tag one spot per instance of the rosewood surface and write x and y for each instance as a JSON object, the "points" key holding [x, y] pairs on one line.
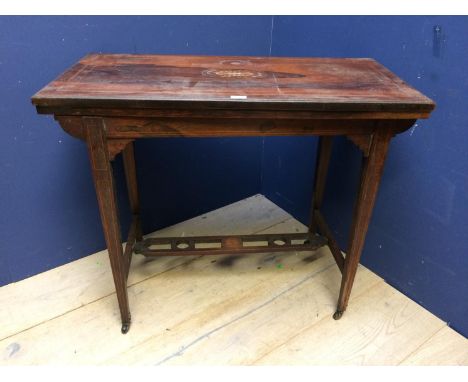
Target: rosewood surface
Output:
{"points": [[148, 81], [110, 100]]}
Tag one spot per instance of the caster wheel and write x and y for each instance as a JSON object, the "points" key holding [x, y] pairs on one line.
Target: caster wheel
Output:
{"points": [[125, 328], [337, 315]]}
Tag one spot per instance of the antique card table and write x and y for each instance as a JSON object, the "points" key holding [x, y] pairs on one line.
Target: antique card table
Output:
{"points": [[110, 100]]}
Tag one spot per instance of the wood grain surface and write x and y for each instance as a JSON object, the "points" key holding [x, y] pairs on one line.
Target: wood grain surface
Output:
{"points": [[165, 81]]}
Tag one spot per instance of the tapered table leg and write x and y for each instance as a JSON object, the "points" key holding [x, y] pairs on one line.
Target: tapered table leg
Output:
{"points": [[371, 172], [132, 186], [105, 191], [321, 170]]}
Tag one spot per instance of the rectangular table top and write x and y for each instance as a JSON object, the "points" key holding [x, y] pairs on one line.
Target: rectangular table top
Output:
{"points": [[260, 83]]}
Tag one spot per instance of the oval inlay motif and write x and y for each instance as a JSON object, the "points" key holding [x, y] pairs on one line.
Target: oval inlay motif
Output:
{"points": [[232, 73]]}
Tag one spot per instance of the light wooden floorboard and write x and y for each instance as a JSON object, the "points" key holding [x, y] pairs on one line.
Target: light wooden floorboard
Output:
{"points": [[257, 309], [60, 290], [446, 347], [381, 327]]}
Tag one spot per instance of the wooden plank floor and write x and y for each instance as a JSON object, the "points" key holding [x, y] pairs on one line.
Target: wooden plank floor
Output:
{"points": [[258, 309]]}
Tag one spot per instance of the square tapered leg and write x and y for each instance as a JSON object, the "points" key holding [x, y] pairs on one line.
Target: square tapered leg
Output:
{"points": [[105, 190]]}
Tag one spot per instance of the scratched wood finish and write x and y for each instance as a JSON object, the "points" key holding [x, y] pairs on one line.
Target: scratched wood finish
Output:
{"points": [[111, 100], [220, 82]]}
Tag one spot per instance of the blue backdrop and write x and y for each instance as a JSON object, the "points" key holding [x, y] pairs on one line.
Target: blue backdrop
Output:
{"points": [[418, 239], [49, 208]]}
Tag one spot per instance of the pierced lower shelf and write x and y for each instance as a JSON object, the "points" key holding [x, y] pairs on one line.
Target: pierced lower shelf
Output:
{"points": [[222, 245]]}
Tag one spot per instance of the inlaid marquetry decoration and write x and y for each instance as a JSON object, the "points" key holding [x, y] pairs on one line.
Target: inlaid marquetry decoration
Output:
{"points": [[109, 100], [228, 73]]}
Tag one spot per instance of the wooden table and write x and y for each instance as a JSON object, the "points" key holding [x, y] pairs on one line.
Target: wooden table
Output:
{"points": [[108, 101]]}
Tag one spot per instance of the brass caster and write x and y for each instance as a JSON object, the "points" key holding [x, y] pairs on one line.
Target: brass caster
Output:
{"points": [[125, 328], [338, 314]]}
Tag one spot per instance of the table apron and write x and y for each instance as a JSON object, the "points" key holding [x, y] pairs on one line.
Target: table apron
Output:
{"points": [[132, 128]]}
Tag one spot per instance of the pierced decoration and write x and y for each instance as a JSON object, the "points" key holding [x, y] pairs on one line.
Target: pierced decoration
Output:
{"points": [[221, 245]]}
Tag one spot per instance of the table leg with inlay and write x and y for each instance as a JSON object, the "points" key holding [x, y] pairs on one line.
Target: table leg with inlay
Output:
{"points": [[371, 173], [101, 168], [111, 100]]}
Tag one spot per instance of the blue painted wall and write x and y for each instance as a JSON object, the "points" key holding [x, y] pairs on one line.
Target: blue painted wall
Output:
{"points": [[418, 238], [48, 207]]}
